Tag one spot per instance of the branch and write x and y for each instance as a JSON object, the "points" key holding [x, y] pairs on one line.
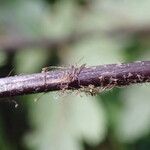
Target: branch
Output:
{"points": [[12, 43], [88, 79]]}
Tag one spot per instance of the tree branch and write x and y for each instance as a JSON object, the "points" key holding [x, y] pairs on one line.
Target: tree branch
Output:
{"points": [[89, 79], [13, 43]]}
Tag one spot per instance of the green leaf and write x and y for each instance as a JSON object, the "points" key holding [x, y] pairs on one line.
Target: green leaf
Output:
{"points": [[61, 125], [3, 58], [132, 12], [30, 61], [23, 17], [62, 22], [134, 120], [95, 51]]}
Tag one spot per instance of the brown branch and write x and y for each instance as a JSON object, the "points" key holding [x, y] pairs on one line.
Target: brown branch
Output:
{"points": [[20, 43], [73, 78], [9, 43]]}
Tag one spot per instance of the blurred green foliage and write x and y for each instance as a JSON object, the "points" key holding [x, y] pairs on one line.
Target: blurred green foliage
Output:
{"points": [[116, 31]]}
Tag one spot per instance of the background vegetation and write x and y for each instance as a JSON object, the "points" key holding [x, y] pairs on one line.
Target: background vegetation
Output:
{"points": [[104, 31]]}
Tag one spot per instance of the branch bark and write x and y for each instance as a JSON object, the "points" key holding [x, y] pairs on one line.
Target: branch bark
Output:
{"points": [[74, 78]]}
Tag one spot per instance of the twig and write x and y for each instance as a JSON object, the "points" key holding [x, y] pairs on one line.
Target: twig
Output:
{"points": [[74, 78]]}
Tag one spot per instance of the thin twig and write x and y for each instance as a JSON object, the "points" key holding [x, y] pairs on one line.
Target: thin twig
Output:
{"points": [[72, 78]]}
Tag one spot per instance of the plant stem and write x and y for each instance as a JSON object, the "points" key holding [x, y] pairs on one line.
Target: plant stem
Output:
{"points": [[74, 78]]}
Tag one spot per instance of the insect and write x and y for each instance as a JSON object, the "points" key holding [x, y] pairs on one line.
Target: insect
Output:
{"points": [[68, 76]]}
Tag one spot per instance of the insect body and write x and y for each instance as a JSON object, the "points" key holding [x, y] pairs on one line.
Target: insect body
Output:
{"points": [[68, 75]]}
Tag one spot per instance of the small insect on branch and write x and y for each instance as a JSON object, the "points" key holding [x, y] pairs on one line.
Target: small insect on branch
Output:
{"points": [[88, 79]]}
